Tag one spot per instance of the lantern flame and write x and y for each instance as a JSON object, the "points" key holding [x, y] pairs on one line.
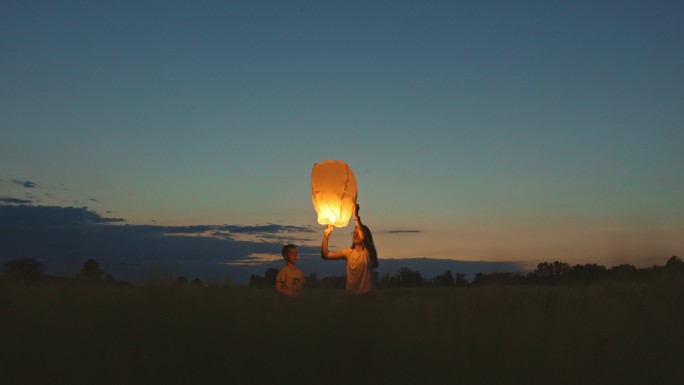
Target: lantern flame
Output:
{"points": [[333, 191]]}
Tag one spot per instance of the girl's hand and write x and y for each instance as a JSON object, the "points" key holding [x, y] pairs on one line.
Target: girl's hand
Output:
{"points": [[356, 210], [328, 229]]}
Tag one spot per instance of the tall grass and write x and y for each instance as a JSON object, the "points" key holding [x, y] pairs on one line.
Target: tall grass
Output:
{"points": [[608, 333]]}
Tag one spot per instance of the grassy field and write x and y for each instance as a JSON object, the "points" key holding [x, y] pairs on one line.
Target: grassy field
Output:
{"points": [[606, 333]]}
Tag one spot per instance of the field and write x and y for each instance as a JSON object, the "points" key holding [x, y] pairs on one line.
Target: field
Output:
{"points": [[605, 333]]}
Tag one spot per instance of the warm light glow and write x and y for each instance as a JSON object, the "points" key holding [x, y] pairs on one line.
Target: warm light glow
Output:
{"points": [[333, 191]]}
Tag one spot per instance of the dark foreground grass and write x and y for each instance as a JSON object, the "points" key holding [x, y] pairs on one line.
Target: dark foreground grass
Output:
{"points": [[610, 333]]}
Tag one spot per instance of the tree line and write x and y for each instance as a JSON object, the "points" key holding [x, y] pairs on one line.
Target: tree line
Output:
{"points": [[28, 271], [549, 273]]}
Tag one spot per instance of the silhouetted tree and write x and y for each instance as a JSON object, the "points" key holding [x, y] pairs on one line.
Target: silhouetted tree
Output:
{"points": [[271, 274], [444, 280], [461, 280], [181, 282], [560, 272], [624, 271], [109, 279], [91, 271], [268, 280], [499, 279], [410, 278], [551, 272], [257, 282], [312, 281], [674, 264], [387, 281], [22, 270], [588, 272], [405, 277], [480, 279]]}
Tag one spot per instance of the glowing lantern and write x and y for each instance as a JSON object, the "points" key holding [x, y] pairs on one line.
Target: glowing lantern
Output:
{"points": [[333, 190]]}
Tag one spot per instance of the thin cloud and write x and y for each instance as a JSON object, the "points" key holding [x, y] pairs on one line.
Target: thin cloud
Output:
{"points": [[403, 231], [15, 201], [268, 228], [281, 239], [25, 183], [236, 229], [50, 216], [270, 233], [255, 259]]}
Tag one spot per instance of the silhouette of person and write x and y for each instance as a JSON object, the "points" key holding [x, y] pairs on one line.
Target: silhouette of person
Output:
{"points": [[290, 280], [361, 258]]}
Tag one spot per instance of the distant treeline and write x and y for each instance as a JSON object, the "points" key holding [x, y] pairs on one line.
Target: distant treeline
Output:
{"points": [[548, 273], [29, 271]]}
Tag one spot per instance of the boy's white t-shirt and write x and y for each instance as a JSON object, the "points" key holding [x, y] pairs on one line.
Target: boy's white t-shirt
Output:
{"points": [[290, 277]]}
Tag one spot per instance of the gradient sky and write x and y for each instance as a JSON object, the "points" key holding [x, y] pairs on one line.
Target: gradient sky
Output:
{"points": [[477, 130]]}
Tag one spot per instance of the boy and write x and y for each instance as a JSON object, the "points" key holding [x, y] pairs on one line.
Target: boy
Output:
{"points": [[290, 280]]}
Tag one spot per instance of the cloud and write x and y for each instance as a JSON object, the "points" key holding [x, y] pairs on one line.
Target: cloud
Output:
{"points": [[40, 216], [63, 238], [56, 235], [15, 200], [269, 233], [402, 231], [257, 259], [25, 183], [235, 229]]}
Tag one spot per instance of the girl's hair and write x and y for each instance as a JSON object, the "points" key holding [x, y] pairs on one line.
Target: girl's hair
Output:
{"points": [[369, 245]]}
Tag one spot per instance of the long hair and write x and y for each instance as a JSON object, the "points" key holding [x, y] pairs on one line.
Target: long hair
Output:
{"points": [[369, 245]]}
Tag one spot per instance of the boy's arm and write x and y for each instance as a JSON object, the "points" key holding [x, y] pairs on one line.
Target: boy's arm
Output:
{"points": [[284, 290], [279, 287]]}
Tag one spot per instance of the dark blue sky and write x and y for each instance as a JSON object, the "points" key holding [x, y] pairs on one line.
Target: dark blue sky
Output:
{"points": [[492, 131]]}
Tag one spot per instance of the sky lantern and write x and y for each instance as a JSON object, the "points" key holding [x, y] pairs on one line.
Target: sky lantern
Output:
{"points": [[333, 190]]}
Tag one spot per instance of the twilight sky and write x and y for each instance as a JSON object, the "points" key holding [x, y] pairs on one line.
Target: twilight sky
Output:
{"points": [[489, 131]]}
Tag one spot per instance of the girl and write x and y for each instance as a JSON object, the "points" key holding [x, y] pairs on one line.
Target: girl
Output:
{"points": [[361, 257]]}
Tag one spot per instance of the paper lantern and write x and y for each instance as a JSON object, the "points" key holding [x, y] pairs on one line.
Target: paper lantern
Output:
{"points": [[333, 190]]}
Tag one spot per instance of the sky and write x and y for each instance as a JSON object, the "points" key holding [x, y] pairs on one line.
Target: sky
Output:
{"points": [[508, 133]]}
